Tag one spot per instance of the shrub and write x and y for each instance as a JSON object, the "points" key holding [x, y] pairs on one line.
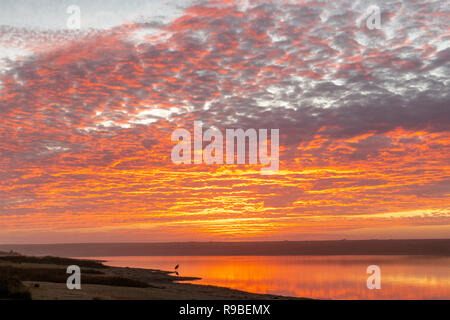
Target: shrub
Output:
{"points": [[12, 288]]}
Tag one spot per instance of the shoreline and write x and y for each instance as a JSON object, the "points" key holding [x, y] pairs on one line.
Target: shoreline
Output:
{"points": [[438, 247], [45, 279]]}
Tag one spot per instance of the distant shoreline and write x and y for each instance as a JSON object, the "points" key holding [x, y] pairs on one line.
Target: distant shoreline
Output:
{"points": [[436, 247]]}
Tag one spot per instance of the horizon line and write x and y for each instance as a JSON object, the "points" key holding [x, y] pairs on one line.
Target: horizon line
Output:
{"points": [[237, 241]]}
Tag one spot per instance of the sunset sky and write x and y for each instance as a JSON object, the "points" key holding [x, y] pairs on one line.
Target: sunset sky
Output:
{"points": [[86, 118]]}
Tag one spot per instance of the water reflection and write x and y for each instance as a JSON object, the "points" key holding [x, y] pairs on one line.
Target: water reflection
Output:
{"points": [[325, 277]]}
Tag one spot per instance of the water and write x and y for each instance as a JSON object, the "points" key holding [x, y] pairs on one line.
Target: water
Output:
{"points": [[321, 277]]}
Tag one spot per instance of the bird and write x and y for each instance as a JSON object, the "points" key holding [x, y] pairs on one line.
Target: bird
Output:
{"points": [[176, 267]]}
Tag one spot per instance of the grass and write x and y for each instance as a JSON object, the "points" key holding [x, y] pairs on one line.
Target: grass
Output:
{"points": [[59, 275], [53, 260], [12, 288]]}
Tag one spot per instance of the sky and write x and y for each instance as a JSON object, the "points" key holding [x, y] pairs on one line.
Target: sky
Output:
{"points": [[86, 118]]}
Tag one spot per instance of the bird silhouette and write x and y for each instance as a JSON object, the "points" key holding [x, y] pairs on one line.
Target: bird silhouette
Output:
{"points": [[176, 267]]}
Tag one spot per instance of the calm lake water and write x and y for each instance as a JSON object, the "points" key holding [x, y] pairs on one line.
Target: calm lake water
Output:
{"points": [[325, 277]]}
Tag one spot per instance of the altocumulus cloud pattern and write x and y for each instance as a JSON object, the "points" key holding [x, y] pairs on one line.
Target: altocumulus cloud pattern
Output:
{"points": [[86, 117]]}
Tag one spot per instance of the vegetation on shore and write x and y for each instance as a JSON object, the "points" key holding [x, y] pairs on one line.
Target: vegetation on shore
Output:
{"points": [[53, 270], [44, 278], [12, 288], [59, 275], [52, 260]]}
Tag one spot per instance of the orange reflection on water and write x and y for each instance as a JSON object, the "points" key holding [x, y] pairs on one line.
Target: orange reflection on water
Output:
{"points": [[322, 277]]}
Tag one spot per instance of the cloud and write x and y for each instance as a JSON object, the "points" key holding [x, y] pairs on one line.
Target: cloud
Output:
{"points": [[363, 117]]}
